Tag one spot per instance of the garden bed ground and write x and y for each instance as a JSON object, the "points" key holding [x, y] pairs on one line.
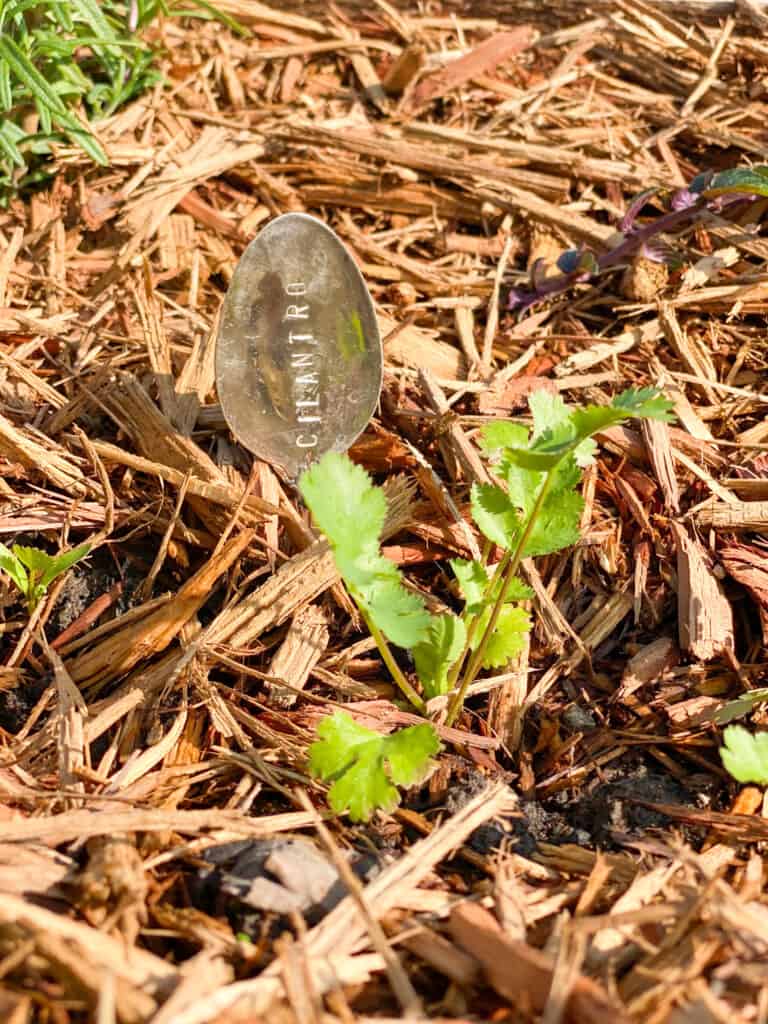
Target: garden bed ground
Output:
{"points": [[580, 854]]}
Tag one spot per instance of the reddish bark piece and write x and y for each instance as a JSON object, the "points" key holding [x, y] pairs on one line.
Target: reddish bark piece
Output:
{"points": [[522, 974], [749, 567], [88, 617], [647, 665], [489, 54], [513, 394]]}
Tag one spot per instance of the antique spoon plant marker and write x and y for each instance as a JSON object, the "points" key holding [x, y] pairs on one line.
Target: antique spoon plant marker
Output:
{"points": [[298, 356]]}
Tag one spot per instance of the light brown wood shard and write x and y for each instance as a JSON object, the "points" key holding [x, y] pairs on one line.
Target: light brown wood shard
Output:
{"points": [[523, 974], [118, 654], [14, 1008], [304, 645], [659, 447], [741, 515], [705, 617]]}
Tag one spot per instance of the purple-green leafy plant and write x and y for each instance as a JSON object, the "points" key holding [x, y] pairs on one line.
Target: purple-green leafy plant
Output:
{"points": [[707, 193]]}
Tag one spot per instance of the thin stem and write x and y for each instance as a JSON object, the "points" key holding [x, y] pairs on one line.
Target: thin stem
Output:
{"points": [[394, 669], [628, 247], [473, 620], [510, 573]]}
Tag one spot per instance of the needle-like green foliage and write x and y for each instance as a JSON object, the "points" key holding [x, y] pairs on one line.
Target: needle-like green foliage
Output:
{"points": [[366, 767], [536, 511], [63, 64], [745, 755], [33, 571]]}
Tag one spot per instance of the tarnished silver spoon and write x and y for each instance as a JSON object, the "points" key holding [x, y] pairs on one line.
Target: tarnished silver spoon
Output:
{"points": [[298, 354]]}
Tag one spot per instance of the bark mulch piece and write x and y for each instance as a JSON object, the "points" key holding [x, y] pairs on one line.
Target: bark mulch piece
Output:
{"points": [[580, 854]]}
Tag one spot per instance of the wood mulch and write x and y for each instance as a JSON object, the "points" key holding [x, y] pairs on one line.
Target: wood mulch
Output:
{"points": [[580, 854]]}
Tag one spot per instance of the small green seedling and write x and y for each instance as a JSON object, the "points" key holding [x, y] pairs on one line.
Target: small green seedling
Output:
{"points": [[355, 757], [745, 755], [537, 511], [33, 571]]}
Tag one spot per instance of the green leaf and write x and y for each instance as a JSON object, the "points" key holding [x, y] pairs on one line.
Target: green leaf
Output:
{"points": [[398, 613], [644, 403], [6, 95], [44, 568], [752, 180], [473, 580], [20, 66], [90, 145], [11, 565], [356, 759], [745, 755], [522, 484], [350, 510], [562, 435], [552, 417], [502, 434], [433, 657], [549, 412], [345, 504], [557, 526], [36, 560], [518, 591], [60, 563], [495, 515], [741, 706], [508, 637]]}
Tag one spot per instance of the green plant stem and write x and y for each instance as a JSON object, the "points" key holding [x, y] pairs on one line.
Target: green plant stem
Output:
{"points": [[394, 669], [509, 574], [471, 621]]}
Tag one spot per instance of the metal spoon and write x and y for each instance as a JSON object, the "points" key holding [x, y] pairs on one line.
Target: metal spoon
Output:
{"points": [[298, 355]]}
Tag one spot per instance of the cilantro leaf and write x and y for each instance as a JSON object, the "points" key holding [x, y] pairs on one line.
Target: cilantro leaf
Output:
{"points": [[11, 565], [433, 657], [523, 485], [502, 434], [559, 431], [645, 403], [557, 526], [549, 412], [518, 591], [409, 753], [350, 510], [745, 755], [356, 759], [507, 638], [472, 578], [553, 419], [399, 614], [346, 505], [495, 514]]}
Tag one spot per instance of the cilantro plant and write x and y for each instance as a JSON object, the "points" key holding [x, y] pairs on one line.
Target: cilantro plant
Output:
{"points": [[534, 510], [745, 755], [355, 758], [33, 571]]}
